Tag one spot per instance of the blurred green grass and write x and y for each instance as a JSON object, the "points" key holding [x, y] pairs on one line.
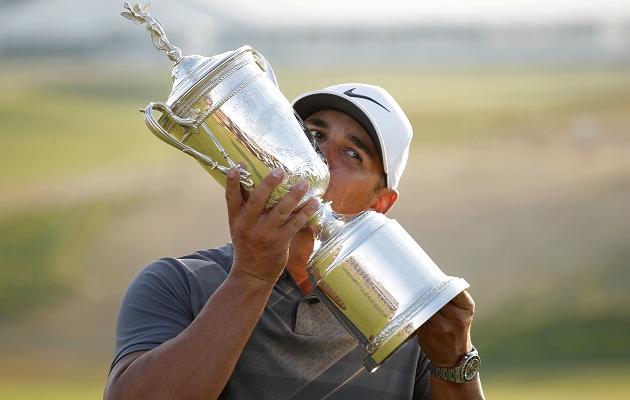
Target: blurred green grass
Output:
{"points": [[79, 120], [49, 390], [57, 123], [572, 381], [71, 120], [575, 382], [448, 106], [39, 252]]}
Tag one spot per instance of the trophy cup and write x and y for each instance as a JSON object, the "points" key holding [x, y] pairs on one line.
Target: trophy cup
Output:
{"points": [[366, 268]]}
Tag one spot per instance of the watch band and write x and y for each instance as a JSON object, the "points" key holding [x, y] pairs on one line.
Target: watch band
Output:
{"points": [[464, 372], [447, 374]]}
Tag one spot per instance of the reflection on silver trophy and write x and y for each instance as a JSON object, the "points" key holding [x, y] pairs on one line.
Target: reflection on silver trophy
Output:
{"points": [[366, 268]]}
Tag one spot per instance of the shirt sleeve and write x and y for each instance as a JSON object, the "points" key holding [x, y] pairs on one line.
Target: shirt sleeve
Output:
{"points": [[422, 389], [155, 308]]}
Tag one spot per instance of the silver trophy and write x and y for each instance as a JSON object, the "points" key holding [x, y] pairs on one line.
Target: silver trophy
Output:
{"points": [[366, 268]]}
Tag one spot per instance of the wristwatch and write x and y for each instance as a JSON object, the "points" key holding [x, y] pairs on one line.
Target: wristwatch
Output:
{"points": [[464, 372]]}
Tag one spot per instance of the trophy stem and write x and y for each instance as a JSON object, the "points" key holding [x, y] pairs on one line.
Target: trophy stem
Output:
{"points": [[326, 223]]}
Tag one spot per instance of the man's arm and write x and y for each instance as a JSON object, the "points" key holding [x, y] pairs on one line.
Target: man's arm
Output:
{"points": [[199, 361], [445, 339]]}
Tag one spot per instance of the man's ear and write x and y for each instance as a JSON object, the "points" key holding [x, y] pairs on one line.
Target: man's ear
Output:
{"points": [[385, 199]]}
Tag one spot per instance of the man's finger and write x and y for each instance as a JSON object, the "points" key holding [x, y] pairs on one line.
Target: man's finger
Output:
{"points": [[464, 301], [300, 218], [233, 194], [286, 206], [258, 199]]}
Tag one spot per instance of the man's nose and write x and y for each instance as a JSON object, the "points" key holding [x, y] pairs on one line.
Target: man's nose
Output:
{"points": [[325, 148]]}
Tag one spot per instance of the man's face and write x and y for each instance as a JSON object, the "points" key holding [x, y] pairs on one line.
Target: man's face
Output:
{"points": [[356, 170]]}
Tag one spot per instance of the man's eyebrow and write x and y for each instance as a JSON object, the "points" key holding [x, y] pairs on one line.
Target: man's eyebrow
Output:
{"points": [[361, 144], [320, 123]]}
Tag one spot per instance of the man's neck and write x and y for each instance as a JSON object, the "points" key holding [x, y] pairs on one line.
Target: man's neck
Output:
{"points": [[299, 252]]}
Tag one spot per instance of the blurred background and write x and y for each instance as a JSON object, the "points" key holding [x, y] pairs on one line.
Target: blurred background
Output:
{"points": [[518, 180]]}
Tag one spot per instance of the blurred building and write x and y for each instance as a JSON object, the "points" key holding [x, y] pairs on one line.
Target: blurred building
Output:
{"points": [[75, 28]]}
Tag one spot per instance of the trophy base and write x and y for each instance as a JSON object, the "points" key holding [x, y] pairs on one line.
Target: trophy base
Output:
{"points": [[379, 284]]}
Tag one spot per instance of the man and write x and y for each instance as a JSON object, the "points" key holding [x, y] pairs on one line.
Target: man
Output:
{"points": [[241, 322]]}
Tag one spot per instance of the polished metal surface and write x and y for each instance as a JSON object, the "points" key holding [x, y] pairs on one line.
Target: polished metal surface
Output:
{"points": [[366, 268], [228, 109], [379, 283]]}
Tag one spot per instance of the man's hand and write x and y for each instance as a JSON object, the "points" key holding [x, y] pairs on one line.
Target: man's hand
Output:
{"points": [[261, 237], [445, 337], [212, 344]]}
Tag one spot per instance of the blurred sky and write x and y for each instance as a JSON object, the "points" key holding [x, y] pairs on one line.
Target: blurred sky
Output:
{"points": [[340, 32], [299, 12], [379, 11], [55, 19]]}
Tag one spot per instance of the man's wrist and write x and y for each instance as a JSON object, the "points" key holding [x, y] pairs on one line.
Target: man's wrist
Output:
{"points": [[465, 371], [249, 281]]}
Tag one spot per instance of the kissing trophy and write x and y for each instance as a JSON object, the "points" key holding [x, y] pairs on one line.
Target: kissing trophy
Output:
{"points": [[366, 268]]}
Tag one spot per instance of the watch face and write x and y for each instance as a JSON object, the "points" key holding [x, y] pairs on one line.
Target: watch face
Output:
{"points": [[470, 369]]}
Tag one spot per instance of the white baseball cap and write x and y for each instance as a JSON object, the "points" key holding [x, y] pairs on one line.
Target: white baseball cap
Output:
{"points": [[379, 114]]}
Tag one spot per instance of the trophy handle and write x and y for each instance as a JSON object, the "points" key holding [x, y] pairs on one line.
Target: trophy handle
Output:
{"points": [[188, 124], [265, 66]]}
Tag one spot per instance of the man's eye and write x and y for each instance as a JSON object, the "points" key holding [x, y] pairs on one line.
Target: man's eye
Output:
{"points": [[317, 135], [353, 154]]}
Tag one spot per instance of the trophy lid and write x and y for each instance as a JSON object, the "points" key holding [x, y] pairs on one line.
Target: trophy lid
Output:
{"points": [[190, 70]]}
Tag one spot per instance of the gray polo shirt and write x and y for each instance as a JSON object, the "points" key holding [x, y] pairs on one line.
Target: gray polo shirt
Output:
{"points": [[298, 349]]}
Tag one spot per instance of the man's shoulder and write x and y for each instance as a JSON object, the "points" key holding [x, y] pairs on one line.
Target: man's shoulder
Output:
{"points": [[211, 265], [211, 258], [193, 277]]}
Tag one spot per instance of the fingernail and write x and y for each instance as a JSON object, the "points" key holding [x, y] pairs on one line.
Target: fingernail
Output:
{"points": [[314, 204], [232, 173], [302, 185], [277, 172]]}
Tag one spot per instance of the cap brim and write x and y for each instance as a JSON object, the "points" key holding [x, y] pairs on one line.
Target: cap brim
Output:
{"points": [[318, 101]]}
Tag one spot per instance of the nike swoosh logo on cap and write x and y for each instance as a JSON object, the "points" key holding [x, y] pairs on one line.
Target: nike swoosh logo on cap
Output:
{"points": [[350, 93]]}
